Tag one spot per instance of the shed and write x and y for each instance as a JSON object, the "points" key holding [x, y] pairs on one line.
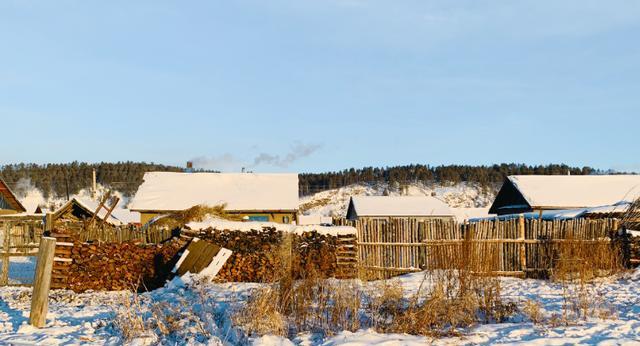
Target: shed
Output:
{"points": [[80, 209], [256, 196], [536, 193], [386, 207], [9, 203]]}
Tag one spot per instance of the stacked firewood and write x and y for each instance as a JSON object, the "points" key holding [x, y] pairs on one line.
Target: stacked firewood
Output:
{"points": [[120, 266], [260, 255]]}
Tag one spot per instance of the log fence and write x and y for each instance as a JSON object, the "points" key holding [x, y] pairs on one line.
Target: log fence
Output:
{"points": [[518, 247]]}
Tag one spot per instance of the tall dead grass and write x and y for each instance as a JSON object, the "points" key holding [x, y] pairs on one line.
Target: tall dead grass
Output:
{"points": [[457, 294], [577, 267]]}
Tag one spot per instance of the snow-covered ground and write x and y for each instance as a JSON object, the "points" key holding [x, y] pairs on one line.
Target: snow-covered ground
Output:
{"points": [[335, 202], [199, 315]]}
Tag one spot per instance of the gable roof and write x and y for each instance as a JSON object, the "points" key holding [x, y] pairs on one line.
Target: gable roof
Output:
{"points": [[398, 206], [170, 191], [566, 192], [10, 197]]}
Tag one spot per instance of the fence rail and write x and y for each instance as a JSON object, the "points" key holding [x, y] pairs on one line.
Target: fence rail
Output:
{"points": [[516, 247]]}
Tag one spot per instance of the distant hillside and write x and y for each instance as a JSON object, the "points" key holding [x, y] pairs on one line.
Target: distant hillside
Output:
{"points": [[334, 202], [483, 176], [56, 180]]}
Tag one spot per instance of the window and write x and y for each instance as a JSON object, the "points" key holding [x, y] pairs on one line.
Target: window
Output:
{"points": [[262, 218]]}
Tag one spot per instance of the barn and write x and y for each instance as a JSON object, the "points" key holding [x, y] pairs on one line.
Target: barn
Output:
{"points": [[538, 193], [387, 207], [254, 196], [9, 204]]}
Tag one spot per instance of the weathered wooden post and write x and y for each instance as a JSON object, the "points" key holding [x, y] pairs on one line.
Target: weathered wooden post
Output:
{"points": [[42, 282], [523, 245], [48, 222], [6, 243]]}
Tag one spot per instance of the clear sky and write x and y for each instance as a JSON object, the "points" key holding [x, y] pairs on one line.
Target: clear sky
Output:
{"points": [[295, 85]]}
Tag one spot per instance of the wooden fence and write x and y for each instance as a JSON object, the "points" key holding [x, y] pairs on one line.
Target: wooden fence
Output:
{"points": [[516, 247], [19, 237]]}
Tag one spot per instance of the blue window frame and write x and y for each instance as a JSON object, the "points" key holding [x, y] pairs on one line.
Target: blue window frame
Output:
{"points": [[262, 218]]}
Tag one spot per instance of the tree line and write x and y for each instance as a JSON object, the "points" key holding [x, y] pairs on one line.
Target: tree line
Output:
{"points": [[60, 179], [69, 178]]}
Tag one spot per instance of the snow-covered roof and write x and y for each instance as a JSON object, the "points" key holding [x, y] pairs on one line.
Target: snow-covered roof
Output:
{"points": [[576, 191], [463, 214], [399, 206], [169, 191]]}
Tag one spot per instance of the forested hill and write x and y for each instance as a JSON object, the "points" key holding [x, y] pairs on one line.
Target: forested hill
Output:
{"points": [[485, 176], [57, 179]]}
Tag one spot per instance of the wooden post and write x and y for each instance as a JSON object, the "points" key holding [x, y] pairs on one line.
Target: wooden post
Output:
{"points": [[42, 282], [48, 222], [523, 253], [6, 243]]}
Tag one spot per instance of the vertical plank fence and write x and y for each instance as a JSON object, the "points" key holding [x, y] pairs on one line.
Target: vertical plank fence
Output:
{"points": [[516, 247]]}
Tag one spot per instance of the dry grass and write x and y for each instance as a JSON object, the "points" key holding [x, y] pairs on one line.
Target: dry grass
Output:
{"points": [[447, 300], [577, 268], [197, 213], [533, 310]]}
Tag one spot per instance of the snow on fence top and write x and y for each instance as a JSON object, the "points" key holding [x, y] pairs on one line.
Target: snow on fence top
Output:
{"points": [[576, 191], [169, 191], [219, 224], [399, 206]]}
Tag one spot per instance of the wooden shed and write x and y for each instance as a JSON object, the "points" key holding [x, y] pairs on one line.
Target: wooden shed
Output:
{"points": [[537, 193], [256, 197], [387, 207]]}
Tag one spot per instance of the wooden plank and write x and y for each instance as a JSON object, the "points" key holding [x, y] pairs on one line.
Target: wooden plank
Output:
{"points": [[4, 276], [42, 283]]}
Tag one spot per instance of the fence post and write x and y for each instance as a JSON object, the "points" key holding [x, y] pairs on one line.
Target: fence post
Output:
{"points": [[523, 245], [6, 243], [42, 282], [48, 222]]}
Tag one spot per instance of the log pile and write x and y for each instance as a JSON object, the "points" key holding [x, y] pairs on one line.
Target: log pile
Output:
{"points": [[120, 266], [258, 256]]}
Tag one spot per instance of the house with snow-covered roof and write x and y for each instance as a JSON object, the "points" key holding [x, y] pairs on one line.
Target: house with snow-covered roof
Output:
{"points": [[538, 193], [387, 207], [9, 203], [253, 196]]}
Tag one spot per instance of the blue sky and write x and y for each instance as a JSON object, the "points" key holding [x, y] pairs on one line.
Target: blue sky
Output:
{"points": [[300, 85]]}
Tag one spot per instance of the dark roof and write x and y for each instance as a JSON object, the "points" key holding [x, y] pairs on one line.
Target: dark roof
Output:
{"points": [[10, 197]]}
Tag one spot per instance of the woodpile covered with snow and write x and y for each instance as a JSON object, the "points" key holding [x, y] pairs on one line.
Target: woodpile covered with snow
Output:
{"points": [[257, 254]]}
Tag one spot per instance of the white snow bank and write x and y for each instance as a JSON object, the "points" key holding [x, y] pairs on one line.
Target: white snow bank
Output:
{"points": [[219, 224]]}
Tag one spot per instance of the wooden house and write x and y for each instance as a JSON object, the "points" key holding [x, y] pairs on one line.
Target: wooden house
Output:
{"points": [[387, 207], [9, 204], [253, 196], [539, 193]]}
